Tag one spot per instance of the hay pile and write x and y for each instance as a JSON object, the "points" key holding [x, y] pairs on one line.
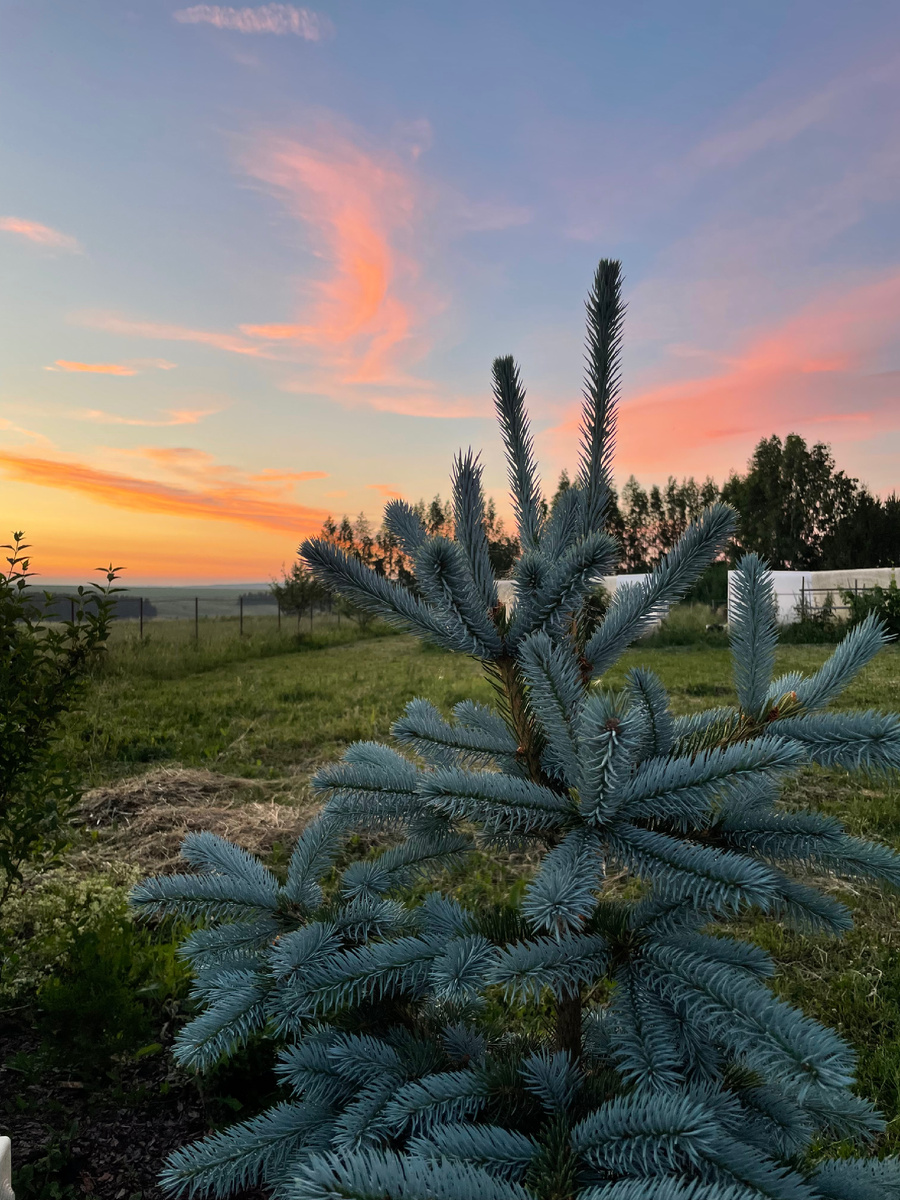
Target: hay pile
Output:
{"points": [[143, 820]]}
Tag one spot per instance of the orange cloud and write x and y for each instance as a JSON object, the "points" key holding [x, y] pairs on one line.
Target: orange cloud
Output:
{"points": [[356, 207], [817, 371], [182, 416], [386, 491], [92, 368], [235, 503], [41, 235]]}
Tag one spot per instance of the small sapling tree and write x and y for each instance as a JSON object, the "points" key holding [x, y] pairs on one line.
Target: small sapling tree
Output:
{"points": [[298, 591], [601, 1035], [43, 667]]}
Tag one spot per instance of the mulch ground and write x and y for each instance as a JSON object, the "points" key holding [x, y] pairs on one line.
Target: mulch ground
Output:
{"points": [[106, 1142]]}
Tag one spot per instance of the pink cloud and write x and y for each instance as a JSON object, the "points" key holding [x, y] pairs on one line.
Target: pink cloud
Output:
{"points": [[279, 19], [356, 207], [41, 235], [363, 318], [816, 372]]}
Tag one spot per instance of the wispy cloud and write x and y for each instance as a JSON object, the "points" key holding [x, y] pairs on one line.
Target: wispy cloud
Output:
{"points": [[216, 501], [784, 122], [272, 475], [41, 235], [62, 364], [184, 416], [31, 434], [126, 368], [167, 332], [386, 491], [203, 469], [279, 19], [354, 207], [365, 317]]}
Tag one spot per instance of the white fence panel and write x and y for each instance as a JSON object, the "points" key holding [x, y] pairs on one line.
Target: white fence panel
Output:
{"points": [[792, 588], [6, 1191]]}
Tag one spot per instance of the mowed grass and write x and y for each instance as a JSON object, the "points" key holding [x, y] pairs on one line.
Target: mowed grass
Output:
{"points": [[278, 711], [269, 704]]}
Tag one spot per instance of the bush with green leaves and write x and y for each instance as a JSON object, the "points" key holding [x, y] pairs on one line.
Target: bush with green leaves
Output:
{"points": [[298, 591], [43, 668], [881, 602], [600, 1034]]}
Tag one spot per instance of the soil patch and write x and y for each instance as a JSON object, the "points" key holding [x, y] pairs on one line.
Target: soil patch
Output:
{"points": [[109, 1143], [143, 820]]}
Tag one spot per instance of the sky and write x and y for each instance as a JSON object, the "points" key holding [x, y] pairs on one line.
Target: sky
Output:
{"points": [[256, 261]]}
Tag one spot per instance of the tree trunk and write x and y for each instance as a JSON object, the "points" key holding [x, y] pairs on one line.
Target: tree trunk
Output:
{"points": [[568, 1026]]}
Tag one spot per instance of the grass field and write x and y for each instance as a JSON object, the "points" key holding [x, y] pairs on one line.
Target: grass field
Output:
{"points": [[269, 704], [237, 724]]}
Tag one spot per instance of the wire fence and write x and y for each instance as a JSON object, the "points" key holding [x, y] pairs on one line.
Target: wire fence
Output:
{"points": [[140, 612]]}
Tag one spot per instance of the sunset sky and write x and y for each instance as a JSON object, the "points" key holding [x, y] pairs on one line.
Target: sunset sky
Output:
{"points": [[256, 261]]}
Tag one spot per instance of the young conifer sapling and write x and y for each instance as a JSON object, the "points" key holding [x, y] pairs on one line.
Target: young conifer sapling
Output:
{"points": [[605, 1036]]}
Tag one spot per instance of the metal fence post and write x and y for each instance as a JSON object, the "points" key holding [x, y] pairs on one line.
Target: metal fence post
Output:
{"points": [[241, 605], [141, 609], [279, 616], [197, 620], [72, 609]]}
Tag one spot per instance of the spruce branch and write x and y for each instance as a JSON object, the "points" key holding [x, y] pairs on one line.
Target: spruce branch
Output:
{"points": [[605, 315], [509, 401]]}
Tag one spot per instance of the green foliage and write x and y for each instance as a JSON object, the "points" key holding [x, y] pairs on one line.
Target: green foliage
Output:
{"points": [[45, 920], [95, 980], [43, 671], [657, 1062], [792, 502], [819, 625], [648, 524], [105, 1003], [869, 536], [711, 588], [881, 602], [298, 591]]}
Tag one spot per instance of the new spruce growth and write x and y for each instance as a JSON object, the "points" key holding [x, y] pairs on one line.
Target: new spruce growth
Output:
{"points": [[604, 1037]]}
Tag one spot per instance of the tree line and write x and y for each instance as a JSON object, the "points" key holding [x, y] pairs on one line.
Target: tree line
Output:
{"points": [[795, 508]]}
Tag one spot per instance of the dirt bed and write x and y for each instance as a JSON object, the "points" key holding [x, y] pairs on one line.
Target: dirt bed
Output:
{"points": [[143, 820]]}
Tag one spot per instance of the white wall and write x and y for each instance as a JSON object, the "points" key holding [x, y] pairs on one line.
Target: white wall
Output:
{"points": [[813, 588], [790, 588]]}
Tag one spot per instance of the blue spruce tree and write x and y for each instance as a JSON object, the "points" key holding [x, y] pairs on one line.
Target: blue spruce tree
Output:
{"points": [[592, 1040]]}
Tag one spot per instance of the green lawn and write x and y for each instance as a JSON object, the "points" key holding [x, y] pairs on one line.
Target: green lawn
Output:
{"points": [[268, 705]]}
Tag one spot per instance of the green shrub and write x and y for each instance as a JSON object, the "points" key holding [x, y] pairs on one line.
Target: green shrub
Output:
{"points": [[96, 981], [883, 602], [690, 625], [43, 669]]}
